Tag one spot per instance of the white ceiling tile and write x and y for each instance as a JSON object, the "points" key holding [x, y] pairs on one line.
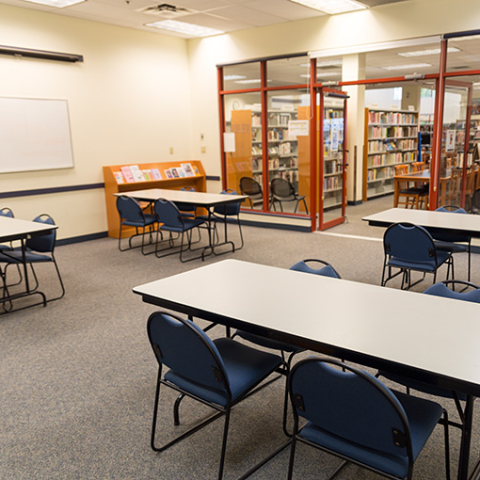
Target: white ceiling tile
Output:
{"points": [[247, 16], [213, 21], [283, 8]]}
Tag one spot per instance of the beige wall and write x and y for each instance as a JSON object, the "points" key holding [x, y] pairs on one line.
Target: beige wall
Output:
{"points": [[128, 102], [137, 94]]}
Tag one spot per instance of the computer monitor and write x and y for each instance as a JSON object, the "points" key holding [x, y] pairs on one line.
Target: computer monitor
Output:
{"points": [[426, 138]]}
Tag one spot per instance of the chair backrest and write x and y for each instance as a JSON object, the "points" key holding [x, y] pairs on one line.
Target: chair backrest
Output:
{"points": [[186, 207], [187, 350], [326, 269], [281, 188], [129, 209], [6, 212], [418, 166], [409, 242], [231, 209], [441, 289], [402, 170], [43, 243], [351, 404], [249, 186], [444, 236], [168, 214]]}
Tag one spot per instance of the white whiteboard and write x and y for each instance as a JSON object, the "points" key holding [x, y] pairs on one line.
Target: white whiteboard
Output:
{"points": [[34, 135]]}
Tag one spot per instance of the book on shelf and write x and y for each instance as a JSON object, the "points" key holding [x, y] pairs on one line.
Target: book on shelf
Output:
{"points": [[156, 174], [188, 170], [119, 177], [127, 173]]}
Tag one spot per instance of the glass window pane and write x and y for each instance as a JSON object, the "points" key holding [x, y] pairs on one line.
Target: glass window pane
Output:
{"points": [[289, 148], [242, 76], [288, 71], [243, 143], [463, 53]]}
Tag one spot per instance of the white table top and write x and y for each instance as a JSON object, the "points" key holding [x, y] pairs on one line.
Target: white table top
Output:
{"points": [[376, 326], [196, 198], [14, 228], [462, 223]]}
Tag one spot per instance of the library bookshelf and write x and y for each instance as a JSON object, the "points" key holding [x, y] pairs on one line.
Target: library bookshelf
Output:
{"points": [[391, 138], [142, 176]]}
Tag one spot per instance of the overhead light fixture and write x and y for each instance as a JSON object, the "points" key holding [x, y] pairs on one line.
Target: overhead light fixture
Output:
{"points": [[185, 28], [250, 80], [323, 74], [332, 6], [407, 67], [326, 63], [431, 51], [234, 77], [56, 3]]}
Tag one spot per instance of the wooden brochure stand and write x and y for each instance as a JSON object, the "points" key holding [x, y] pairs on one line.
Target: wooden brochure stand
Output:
{"points": [[118, 180]]}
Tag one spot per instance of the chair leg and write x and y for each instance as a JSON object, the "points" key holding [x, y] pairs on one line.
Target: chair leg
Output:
{"points": [[176, 407], [224, 444], [292, 453]]}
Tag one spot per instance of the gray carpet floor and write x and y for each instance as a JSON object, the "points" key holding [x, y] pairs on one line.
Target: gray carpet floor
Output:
{"points": [[77, 378]]}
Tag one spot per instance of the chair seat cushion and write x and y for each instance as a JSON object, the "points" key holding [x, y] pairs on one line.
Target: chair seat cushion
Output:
{"points": [[413, 191], [267, 342], [149, 220], [441, 290], [421, 266], [244, 366], [188, 224], [450, 247], [421, 386], [15, 256], [422, 415]]}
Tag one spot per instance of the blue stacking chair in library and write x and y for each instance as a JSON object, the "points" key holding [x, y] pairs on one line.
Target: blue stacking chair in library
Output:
{"points": [[171, 220], [352, 415], [451, 242], [408, 248], [469, 293], [7, 212], [219, 373], [302, 266], [39, 249], [132, 215]]}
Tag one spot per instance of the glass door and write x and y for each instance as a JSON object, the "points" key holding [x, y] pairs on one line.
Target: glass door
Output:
{"points": [[332, 155]]}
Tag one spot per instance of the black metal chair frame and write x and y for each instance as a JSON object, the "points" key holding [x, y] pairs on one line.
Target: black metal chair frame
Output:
{"points": [[255, 197], [406, 272], [292, 196], [221, 411]]}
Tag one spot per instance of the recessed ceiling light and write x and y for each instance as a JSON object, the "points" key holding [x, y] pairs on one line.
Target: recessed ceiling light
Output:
{"points": [[249, 80], [185, 28], [56, 3], [409, 67], [332, 6], [234, 77], [431, 51]]}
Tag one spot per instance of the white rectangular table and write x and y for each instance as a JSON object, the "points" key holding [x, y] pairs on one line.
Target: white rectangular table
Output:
{"points": [[465, 224], [428, 338], [199, 199], [12, 229]]}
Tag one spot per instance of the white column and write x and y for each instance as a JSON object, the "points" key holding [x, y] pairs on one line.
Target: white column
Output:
{"points": [[354, 69]]}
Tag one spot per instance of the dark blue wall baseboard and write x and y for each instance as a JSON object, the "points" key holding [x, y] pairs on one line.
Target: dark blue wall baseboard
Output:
{"points": [[82, 238]]}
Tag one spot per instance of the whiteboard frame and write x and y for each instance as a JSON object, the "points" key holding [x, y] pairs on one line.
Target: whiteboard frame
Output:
{"points": [[67, 147]]}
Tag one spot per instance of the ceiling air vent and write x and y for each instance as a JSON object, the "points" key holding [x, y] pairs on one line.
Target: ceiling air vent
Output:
{"points": [[167, 11]]}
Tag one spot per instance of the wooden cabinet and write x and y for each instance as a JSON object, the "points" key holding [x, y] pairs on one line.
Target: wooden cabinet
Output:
{"points": [[116, 182], [391, 138]]}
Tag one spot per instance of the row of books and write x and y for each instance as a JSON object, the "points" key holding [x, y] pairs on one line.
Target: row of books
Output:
{"points": [[392, 118], [396, 132], [382, 174], [336, 166], [133, 173], [331, 183], [378, 146]]}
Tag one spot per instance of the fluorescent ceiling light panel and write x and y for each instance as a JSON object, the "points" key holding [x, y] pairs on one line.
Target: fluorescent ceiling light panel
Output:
{"points": [[332, 6], [56, 3], [409, 67], [185, 28], [250, 80], [234, 77], [431, 51], [323, 74]]}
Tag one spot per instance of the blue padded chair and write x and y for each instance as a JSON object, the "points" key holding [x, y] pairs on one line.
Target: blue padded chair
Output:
{"points": [[451, 242], [218, 373], [228, 213], [281, 190], [171, 220], [352, 415], [409, 247], [132, 215], [39, 249], [7, 212], [187, 209], [441, 289], [326, 271]]}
